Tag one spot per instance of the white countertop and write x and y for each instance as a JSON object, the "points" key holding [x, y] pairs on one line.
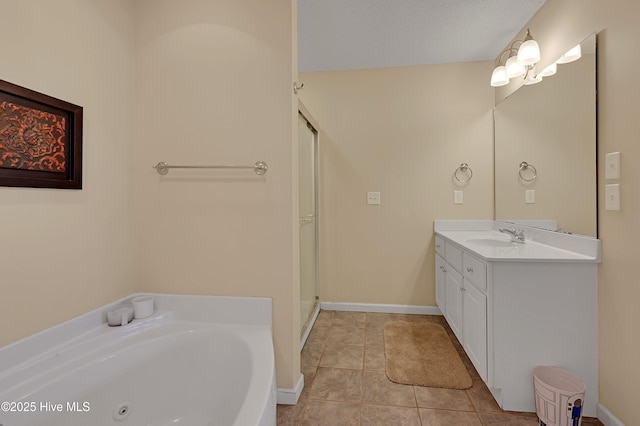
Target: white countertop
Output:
{"points": [[539, 246]]}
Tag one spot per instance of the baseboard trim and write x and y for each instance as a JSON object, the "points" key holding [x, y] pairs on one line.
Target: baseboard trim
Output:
{"points": [[290, 396], [607, 418], [372, 307]]}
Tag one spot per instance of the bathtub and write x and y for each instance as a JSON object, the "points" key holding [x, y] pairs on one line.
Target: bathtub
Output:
{"points": [[181, 366]]}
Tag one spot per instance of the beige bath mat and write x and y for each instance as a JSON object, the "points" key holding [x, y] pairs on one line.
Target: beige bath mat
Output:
{"points": [[423, 354]]}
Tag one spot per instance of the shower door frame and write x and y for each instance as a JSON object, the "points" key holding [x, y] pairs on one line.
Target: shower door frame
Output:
{"points": [[308, 323]]}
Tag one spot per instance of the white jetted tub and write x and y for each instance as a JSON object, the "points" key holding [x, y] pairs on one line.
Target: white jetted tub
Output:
{"points": [[184, 365]]}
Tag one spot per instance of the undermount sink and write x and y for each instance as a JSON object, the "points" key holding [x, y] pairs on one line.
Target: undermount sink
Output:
{"points": [[491, 242]]}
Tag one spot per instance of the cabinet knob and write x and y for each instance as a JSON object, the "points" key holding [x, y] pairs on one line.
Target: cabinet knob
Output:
{"points": [[463, 289], [437, 245], [469, 269]]}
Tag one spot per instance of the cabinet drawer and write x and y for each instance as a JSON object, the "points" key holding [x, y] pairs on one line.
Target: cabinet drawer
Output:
{"points": [[453, 255], [440, 246], [475, 270]]}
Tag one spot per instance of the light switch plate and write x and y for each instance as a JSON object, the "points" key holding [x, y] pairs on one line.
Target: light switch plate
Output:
{"points": [[373, 198], [458, 197], [612, 166], [530, 196], [612, 195]]}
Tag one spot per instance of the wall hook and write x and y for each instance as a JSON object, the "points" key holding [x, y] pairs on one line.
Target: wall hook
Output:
{"points": [[296, 87]]}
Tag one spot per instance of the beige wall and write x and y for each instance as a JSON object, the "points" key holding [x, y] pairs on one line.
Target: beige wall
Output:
{"points": [[559, 25], [65, 252], [402, 132], [213, 86]]}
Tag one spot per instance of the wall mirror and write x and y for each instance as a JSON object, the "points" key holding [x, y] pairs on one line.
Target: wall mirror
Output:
{"points": [[550, 126]]}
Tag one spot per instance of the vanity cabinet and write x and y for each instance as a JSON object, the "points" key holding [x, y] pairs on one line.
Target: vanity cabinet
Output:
{"points": [[440, 281], [474, 328], [460, 285], [453, 300], [514, 307]]}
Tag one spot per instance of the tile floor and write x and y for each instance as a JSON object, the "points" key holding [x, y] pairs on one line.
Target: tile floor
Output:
{"points": [[345, 383]]}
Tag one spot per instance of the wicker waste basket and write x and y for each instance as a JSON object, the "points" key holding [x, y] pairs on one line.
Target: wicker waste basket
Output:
{"points": [[559, 396]]}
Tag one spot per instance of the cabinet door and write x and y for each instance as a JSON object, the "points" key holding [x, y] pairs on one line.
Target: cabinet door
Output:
{"points": [[453, 301], [441, 269], [474, 327]]}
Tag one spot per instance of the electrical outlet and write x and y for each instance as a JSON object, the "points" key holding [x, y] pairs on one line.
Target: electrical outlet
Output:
{"points": [[373, 198]]}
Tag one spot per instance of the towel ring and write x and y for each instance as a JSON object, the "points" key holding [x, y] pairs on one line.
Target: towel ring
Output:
{"points": [[525, 166], [465, 170]]}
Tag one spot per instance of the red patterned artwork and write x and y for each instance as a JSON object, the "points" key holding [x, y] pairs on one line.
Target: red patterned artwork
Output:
{"points": [[31, 139], [40, 140]]}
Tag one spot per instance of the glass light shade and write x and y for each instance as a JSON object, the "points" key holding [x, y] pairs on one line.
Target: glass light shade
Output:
{"points": [[514, 68], [529, 52], [533, 80], [549, 71], [499, 77], [572, 55]]}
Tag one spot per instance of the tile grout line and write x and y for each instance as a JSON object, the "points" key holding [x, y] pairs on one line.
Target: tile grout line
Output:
{"points": [[364, 354], [415, 396]]}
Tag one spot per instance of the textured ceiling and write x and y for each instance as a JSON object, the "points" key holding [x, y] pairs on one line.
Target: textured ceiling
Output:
{"points": [[353, 34]]}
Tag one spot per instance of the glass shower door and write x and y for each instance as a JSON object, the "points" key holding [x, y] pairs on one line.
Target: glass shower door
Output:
{"points": [[307, 137]]}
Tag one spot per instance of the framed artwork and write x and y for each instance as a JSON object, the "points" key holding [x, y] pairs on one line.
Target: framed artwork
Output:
{"points": [[40, 140]]}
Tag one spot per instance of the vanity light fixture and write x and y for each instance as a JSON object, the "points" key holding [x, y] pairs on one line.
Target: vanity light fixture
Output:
{"points": [[520, 62], [549, 71], [571, 55], [529, 52], [533, 79], [499, 76], [514, 68]]}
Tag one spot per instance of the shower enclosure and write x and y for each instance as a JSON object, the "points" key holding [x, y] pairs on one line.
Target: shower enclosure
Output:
{"points": [[307, 169]]}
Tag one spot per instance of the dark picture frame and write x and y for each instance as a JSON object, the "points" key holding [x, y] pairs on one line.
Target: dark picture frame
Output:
{"points": [[40, 140]]}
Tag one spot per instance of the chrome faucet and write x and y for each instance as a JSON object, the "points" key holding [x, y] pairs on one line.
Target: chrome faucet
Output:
{"points": [[517, 235]]}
